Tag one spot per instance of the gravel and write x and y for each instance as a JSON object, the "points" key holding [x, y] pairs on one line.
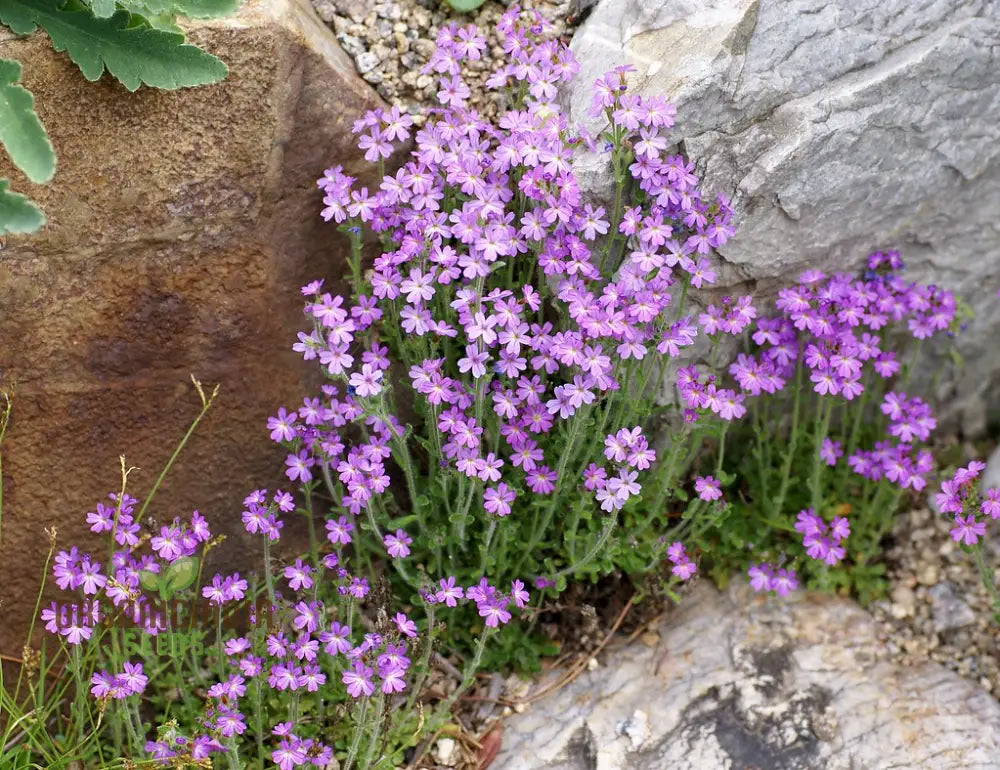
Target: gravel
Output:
{"points": [[391, 41], [937, 607]]}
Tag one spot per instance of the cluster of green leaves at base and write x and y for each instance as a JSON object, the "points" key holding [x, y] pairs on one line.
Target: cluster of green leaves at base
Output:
{"points": [[138, 42]]}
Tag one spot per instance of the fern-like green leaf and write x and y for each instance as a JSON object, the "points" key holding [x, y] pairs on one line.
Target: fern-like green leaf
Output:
{"points": [[17, 213], [21, 132], [164, 22], [192, 9], [103, 8], [134, 55]]}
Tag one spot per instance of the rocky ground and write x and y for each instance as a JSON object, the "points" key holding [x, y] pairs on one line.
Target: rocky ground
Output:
{"points": [[391, 41], [937, 608]]}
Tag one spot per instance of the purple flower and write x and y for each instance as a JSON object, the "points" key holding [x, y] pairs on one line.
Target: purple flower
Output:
{"points": [[104, 685], [518, 593], [991, 503], [358, 680], [760, 576], [398, 545], [684, 570], [708, 488], [289, 754], [298, 575], [497, 499], [298, 466], [540, 480], [830, 451], [311, 678], [367, 382], [809, 524], [168, 544], [282, 426], [233, 687], [393, 680], [406, 626], [132, 681], [101, 520], [449, 592], [230, 722], [494, 611], [339, 531], [783, 582], [336, 639], [967, 530], [594, 477], [306, 617]]}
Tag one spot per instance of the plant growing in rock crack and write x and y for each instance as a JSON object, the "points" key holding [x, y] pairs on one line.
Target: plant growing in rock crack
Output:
{"points": [[137, 41], [500, 360]]}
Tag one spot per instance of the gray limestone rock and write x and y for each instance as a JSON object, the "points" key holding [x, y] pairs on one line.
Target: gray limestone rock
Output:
{"points": [[838, 128], [948, 610], [739, 680], [991, 476]]}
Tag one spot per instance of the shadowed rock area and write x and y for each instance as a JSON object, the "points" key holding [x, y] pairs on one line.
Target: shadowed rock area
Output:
{"points": [[181, 225], [736, 680]]}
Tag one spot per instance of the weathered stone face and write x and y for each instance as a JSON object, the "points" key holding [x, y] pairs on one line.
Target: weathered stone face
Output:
{"points": [[737, 680], [181, 225], [838, 128]]}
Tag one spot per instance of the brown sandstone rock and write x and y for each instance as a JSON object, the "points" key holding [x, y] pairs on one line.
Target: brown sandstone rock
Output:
{"points": [[181, 225]]}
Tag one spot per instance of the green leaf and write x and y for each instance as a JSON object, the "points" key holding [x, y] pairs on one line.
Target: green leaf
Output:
{"points": [[403, 521], [149, 580], [463, 6], [180, 574], [193, 9], [17, 213], [133, 55], [21, 132], [103, 8], [161, 22]]}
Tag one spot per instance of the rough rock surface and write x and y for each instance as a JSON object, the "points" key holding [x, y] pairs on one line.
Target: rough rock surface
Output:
{"points": [[181, 225], [742, 681], [991, 476], [838, 128]]}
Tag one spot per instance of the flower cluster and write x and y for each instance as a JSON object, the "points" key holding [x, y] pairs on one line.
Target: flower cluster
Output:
{"points": [[910, 420], [510, 322], [822, 541], [516, 308], [120, 583], [683, 567], [131, 681], [961, 495], [829, 326], [627, 449], [766, 577]]}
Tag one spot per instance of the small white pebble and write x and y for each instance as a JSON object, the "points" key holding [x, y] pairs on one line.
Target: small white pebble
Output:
{"points": [[445, 752]]}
